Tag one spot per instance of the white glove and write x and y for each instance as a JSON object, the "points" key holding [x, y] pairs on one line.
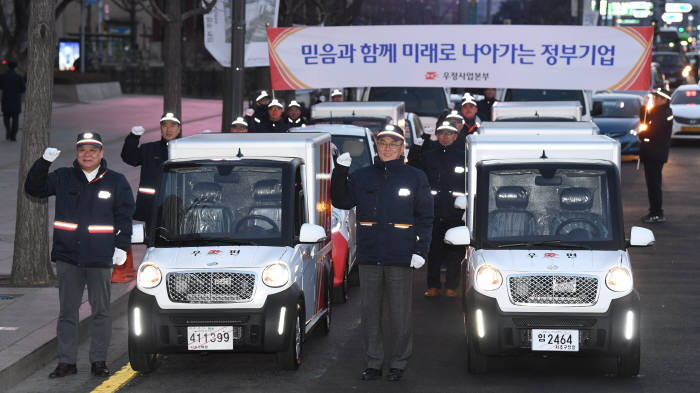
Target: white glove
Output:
{"points": [[419, 141], [430, 130], [417, 261], [137, 130], [51, 154], [249, 112], [344, 160], [119, 256]]}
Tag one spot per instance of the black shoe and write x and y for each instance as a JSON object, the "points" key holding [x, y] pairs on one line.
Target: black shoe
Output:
{"points": [[371, 373], [99, 369], [395, 374], [62, 370], [653, 218]]}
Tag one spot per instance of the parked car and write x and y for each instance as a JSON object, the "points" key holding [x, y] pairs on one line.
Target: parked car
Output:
{"points": [[685, 104], [617, 116], [675, 66]]}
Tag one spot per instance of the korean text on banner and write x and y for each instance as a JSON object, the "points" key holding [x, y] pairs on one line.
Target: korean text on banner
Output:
{"points": [[546, 57]]}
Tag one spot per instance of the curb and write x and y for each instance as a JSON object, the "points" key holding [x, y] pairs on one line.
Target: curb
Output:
{"points": [[45, 353]]}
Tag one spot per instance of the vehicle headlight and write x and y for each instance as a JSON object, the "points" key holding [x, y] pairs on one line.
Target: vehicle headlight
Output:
{"points": [[336, 220], [275, 274], [686, 71], [619, 279], [633, 131], [488, 278], [149, 275]]}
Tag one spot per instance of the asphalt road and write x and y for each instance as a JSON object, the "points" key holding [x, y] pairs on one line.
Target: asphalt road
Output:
{"points": [[666, 277]]}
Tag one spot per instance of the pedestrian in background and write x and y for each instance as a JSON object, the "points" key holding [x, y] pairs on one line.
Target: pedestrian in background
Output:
{"points": [[444, 167], [275, 120], [12, 86], [484, 106], [655, 143], [468, 109], [337, 96], [394, 216], [260, 115], [92, 232], [294, 115], [150, 157], [239, 125]]}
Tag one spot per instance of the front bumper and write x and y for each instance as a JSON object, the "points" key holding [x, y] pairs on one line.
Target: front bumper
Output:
{"points": [[165, 331], [511, 332]]}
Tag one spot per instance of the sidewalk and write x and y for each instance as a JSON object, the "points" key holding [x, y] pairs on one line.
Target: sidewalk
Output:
{"points": [[28, 315]]}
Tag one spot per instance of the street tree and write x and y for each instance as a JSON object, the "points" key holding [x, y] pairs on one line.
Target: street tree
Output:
{"points": [[31, 263]]}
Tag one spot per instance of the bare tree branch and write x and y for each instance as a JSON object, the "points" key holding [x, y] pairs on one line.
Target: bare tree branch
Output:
{"points": [[157, 12], [200, 9]]}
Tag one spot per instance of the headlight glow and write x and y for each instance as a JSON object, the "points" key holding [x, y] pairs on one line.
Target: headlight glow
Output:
{"points": [[275, 274], [686, 71], [619, 279], [149, 275], [488, 278], [643, 127], [633, 131]]}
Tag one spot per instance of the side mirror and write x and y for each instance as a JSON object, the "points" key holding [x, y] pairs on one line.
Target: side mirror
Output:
{"points": [[641, 237], [597, 109], [312, 233], [458, 236], [461, 202], [137, 235]]}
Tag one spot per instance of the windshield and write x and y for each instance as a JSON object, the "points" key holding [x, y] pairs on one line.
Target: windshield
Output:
{"points": [[225, 203], [546, 95], [549, 205], [619, 107], [375, 124], [686, 97], [423, 101], [668, 60], [358, 147]]}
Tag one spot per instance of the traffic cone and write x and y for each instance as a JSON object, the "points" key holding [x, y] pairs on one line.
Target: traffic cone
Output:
{"points": [[125, 272]]}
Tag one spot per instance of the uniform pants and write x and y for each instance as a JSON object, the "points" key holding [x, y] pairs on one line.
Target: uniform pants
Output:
{"points": [[71, 284], [439, 253], [11, 121], [652, 174], [397, 283]]}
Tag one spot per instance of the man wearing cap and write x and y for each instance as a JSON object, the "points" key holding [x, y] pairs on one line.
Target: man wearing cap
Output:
{"points": [[484, 106], [275, 122], [260, 115], [12, 86], [336, 95], [92, 231], [394, 217], [471, 120], [444, 166], [655, 143], [239, 125], [150, 156], [294, 116]]}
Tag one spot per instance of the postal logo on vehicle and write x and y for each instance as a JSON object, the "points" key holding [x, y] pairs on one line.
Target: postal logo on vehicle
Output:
{"points": [[430, 75], [214, 252], [550, 255]]}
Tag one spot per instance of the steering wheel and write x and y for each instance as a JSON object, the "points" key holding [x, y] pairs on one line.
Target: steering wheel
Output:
{"points": [[595, 230], [251, 217]]}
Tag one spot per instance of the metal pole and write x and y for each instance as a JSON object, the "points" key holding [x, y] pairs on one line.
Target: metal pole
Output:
{"points": [[83, 58], [238, 56]]}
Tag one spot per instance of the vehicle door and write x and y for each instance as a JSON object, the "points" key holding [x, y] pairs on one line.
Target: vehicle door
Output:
{"points": [[309, 252]]}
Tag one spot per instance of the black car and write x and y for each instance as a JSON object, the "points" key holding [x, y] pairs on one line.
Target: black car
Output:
{"points": [[676, 66]]}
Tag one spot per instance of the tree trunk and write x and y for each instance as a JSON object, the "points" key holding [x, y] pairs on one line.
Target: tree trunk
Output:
{"points": [[172, 49], [31, 264]]}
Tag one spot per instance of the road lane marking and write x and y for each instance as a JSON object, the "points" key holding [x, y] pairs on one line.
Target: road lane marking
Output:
{"points": [[117, 381]]}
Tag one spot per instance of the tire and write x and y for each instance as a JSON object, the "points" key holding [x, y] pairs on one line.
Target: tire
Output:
{"points": [[324, 325], [628, 362], [141, 361], [476, 361], [290, 358], [340, 293]]}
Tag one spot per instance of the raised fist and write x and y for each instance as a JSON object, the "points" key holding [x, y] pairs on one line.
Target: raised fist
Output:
{"points": [[137, 130], [51, 154]]}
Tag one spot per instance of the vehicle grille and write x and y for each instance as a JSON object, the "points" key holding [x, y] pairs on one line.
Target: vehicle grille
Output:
{"points": [[686, 120], [210, 287], [553, 289]]}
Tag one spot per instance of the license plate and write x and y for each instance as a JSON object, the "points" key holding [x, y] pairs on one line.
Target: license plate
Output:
{"points": [[209, 338], [555, 340], [690, 128], [563, 284]]}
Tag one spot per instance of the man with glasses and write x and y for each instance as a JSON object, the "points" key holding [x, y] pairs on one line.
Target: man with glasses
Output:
{"points": [[444, 166], [275, 121], [394, 217]]}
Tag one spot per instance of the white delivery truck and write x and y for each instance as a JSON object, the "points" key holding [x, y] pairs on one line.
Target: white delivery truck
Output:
{"points": [[238, 258], [524, 111], [538, 128], [547, 268]]}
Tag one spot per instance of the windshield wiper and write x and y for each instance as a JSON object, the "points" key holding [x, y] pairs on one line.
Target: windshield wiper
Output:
{"points": [[546, 243]]}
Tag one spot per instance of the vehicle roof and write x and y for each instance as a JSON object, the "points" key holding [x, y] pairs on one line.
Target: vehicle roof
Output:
{"points": [[666, 52], [537, 104], [357, 104], [688, 87], [333, 129], [617, 96], [543, 126]]}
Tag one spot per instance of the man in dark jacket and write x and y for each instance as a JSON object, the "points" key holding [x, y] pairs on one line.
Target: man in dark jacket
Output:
{"points": [[259, 116], [655, 143], [12, 86], [484, 106], [468, 109], [444, 166], [294, 116], [394, 217], [150, 156], [92, 231], [275, 119]]}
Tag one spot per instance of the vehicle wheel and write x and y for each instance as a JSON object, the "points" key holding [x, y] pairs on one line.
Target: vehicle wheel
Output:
{"points": [[141, 361], [324, 325], [290, 358], [340, 293], [628, 362], [476, 361]]}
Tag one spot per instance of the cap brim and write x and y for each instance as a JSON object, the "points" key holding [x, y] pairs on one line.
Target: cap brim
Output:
{"points": [[93, 142], [173, 119], [391, 134]]}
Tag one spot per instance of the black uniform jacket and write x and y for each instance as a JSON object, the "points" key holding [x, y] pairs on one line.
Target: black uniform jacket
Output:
{"points": [[656, 140], [12, 86], [300, 122], [92, 218], [470, 126], [151, 157], [280, 125], [444, 166], [394, 210]]}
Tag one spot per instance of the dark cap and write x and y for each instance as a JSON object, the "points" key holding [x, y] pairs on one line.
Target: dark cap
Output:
{"points": [[392, 132], [89, 138]]}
